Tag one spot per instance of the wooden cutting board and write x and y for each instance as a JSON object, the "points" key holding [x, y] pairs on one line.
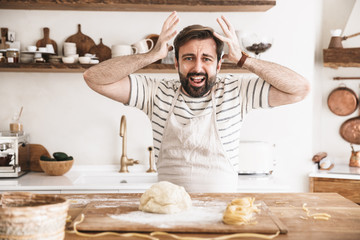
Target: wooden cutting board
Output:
{"points": [[102, 51], [46, 40], [204, 217], [36, 150], [83, 42]]}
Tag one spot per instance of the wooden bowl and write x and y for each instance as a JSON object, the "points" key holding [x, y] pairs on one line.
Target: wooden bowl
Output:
{"points": [[56, 168]]}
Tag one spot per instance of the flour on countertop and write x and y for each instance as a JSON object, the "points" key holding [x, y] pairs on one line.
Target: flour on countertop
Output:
{"points": [[212, 213], [81, 200]]}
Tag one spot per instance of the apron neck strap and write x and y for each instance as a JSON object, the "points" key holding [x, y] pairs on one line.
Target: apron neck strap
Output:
{"points": [[177, 93]]}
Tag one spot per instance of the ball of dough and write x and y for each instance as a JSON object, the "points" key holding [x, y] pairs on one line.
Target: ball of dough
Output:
{"points": [[165, 197]]}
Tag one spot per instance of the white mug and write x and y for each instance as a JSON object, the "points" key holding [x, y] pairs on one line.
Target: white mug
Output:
{"points": [[142, 45], [122, 50], [50, 48]]}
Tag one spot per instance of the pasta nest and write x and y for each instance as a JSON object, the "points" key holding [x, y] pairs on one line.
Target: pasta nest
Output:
{"points": [[241, 211]]}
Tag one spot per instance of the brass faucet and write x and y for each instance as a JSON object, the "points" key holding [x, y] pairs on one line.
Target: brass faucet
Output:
{"points": [[124, 161]]}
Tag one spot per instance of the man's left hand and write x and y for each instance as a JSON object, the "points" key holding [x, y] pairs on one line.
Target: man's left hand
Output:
{"points": [[230, 39]]}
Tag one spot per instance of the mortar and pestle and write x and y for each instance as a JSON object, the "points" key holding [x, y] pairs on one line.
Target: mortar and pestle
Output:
{"points": [[336, 39]]}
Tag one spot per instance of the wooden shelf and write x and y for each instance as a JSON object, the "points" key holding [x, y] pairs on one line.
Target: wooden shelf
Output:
{"points": [[74, 68], [143, 5], [341, 57]]}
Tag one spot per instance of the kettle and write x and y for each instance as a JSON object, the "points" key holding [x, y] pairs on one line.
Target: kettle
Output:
{"points": [[335, 41], [355, 158]]}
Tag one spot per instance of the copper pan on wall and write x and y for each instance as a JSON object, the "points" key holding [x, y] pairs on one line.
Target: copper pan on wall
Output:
{"points": [[343, 101], [350, 130]]}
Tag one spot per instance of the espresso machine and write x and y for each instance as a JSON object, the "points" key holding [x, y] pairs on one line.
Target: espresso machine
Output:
{"points": [[14, 154]]}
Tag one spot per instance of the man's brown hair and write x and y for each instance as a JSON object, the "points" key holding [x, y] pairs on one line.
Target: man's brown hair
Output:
{"points": [[197, 32]]}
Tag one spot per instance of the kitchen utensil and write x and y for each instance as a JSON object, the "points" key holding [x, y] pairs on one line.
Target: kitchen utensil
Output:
{"points": [[350, 130], [56, 168], [4, 33], [122, 50], [69, 49], [46, 40], [205, 216], [33, 216], [3, 44], [31, 48], [68, 60], [142, 45], [84, 60], [50, 48], [256, 157], [101, 51], [354, 158], [343, 101], [317, 157], [83, 42], [37, 150], [15, 147], [345, 78], [256, 43], [151, 161], [154, 38], [335, 41]]}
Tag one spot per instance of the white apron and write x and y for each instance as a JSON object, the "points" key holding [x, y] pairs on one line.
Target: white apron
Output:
{"points": [[193, 156]]}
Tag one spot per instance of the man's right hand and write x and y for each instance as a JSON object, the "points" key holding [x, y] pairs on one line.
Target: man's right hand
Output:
{"points": [[168, 31], [111, 77]]}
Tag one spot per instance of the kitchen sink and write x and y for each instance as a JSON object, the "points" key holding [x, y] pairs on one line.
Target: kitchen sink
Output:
{"points": [[115, 178]]}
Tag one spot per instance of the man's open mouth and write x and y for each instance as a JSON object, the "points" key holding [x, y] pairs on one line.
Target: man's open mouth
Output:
{"points": [[197, 81]]}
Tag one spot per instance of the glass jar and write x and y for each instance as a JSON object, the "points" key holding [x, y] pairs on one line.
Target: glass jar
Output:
{"points": [[12, 55], [15, 125], [2, 58]]}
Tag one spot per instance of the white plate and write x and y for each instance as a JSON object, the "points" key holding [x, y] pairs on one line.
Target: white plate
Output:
{"points": [[38, 52]]}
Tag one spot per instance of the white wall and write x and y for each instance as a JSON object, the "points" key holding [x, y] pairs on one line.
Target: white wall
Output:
{"points": [[63, 114], [335, 14]]}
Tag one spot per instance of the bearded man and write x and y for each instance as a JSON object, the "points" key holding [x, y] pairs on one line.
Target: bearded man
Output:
{"points": [[197, 118]]}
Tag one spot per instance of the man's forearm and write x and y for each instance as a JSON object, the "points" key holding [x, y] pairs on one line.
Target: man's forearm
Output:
{"points": [[118, 68], [280, 77], [287, 86]]}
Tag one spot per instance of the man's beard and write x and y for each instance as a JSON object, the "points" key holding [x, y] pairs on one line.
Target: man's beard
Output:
{"points": [[193, 91]]}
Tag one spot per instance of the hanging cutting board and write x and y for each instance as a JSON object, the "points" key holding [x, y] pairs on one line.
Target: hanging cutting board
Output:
{"points": [[83, 42], [102, 51], [46, 40], [37, 150], [205, 216]]}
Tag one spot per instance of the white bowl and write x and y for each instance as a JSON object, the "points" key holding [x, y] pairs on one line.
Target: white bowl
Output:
{"points": [[31, 48], [94, 61], [89, 55], [42, 49], [84, 60], [68, 60], [75, 56]]}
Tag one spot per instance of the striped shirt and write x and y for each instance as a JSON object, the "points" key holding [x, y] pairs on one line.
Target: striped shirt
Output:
{"points": [[234, 98]]}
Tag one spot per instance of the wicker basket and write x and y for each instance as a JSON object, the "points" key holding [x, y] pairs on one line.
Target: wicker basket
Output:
{"points": [[56, 168], [32, 216]]}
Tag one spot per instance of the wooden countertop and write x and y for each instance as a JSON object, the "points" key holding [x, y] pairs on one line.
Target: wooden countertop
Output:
{"points": [[288, 207]]}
